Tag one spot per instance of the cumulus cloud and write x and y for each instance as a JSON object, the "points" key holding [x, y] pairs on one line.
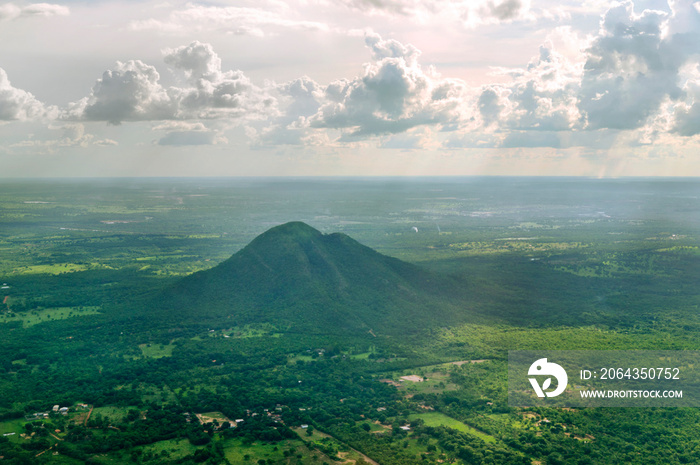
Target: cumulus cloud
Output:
{"points": [[541, 96], [393, 95], [214, 93], [301, 99], [686, 115], [633, 65], [638, 74], [17, 104], [132, 91], [10, 11], [129, 92], [232, 20]]}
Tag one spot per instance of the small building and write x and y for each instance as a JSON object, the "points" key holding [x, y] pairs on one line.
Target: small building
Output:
{"points": [[63, 410], [55, 408], [304, 426], [405, 428]]}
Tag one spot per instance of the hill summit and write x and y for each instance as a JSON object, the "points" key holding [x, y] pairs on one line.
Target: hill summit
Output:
{"points": [[298, 278]]}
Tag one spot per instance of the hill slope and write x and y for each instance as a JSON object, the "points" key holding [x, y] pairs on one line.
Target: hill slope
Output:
{"points": [[297, 278]]}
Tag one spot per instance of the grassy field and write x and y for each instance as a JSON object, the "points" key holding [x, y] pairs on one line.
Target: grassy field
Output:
{"points": [[112, 412], [331, 447], [55, 269], [436, 382], [156, 350], [171, 450], [289, 451], [440, 419], [34, 317], [12, 426]]}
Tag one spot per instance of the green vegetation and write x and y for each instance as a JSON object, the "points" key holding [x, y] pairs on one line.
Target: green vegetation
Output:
{"points": [[39, 315], [440, 419], [305, 327], [156, 350]]}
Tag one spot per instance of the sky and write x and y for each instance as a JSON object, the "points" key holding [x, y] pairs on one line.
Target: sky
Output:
{"points": [[349, 88]]}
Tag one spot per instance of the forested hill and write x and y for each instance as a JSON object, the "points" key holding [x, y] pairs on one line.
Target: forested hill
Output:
{"points": [[299, 279]]}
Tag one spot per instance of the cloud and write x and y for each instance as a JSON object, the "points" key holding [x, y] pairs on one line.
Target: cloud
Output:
{"points": [[214, 93], [17, 104], [231, 20], [638, 74], [132, 91], [183, 133], [470, 13], [393, 94], [686, 115], [184, 138], [633, 64], [301, 99], [541, 96], [72, 135], [10, 11], [531, 139], [45, 10], [129, 92], [415, 139]]}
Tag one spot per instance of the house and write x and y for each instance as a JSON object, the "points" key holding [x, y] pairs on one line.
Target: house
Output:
{"points": [[405, 428], [304, 426], [55, 408]]}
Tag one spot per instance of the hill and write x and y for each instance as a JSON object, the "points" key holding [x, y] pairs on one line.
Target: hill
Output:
{"points": [[299, 279]]}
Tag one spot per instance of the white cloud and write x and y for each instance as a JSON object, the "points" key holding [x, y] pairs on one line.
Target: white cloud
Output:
{"points": [[72, 135], [393, 94], [687, 114], [541, 96], [231, 20], [10, 11], [301, 98], [212, 92], [469, 13], [129, 92], [633, 64], [45, 10], [132, 91], [183, 133], [17, 104], [184, 138]]}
